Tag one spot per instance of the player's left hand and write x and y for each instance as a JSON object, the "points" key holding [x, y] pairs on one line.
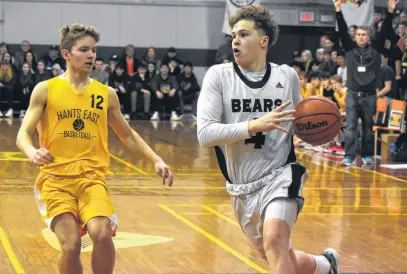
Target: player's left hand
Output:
{"points": [[164, 172]]}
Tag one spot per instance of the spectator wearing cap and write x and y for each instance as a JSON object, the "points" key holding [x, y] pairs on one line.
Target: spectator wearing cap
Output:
{"points": [[172, 56], [164, 88], [142, 89], [119, 81], [131, 63], [7, 85], [53, 57], [188, 89], [98, 73], [113, 61]]}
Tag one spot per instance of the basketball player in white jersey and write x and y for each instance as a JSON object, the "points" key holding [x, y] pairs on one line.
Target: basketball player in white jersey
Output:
{"points": [[245, 111]]}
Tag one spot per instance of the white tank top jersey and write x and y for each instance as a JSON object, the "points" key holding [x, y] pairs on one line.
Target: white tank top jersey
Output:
{"points": [[228, 100]]}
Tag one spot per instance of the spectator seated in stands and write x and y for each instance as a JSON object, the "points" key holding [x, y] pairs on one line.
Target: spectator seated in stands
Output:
{"points": [[24, 86], [30, 60], [188, 89], [170, 59], [98, 73], [142, 89], [328, 67], [7, 57], [151, 56], [7, 84], [119, 80], [164, 89], [42, 74], [54, 57], [19, 55], [131, 63]]}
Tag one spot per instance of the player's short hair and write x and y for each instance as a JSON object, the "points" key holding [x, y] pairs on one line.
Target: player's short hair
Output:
{"points": [[262, 18], [72, 33]]}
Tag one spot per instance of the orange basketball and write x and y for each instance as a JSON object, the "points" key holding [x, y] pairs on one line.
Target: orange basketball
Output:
{"points": [[317, 120]]}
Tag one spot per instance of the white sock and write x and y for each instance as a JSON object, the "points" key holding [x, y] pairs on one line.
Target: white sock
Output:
{"points": [[323, 265]]}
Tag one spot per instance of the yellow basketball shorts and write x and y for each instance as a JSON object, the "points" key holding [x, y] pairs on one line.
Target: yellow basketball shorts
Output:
{"points": [[84, 196]]}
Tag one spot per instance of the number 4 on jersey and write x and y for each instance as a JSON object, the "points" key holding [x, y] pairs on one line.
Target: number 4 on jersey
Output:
{"points": [[99, 100], [258, 140]]}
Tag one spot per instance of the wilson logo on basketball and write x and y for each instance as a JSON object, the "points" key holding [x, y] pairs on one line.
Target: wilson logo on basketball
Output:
{"points": [[310, 126]]}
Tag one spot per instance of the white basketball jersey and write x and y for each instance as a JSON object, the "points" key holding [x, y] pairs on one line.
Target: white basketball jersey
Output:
{"points": [[228, 101]]}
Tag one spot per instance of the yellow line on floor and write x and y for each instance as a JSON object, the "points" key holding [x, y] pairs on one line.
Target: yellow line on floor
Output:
{"points": [[214, 239], [10, 252], [220, 215], [124, 162]]}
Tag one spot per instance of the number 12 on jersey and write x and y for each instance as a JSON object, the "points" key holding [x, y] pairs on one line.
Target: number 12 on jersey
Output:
{"points": [[98, 101]]}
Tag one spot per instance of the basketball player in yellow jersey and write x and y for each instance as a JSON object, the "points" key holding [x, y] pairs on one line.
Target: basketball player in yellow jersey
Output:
{"points": [[72, 112]]}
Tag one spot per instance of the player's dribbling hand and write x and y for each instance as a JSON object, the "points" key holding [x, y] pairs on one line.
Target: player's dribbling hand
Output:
{"points": [[41, 157], [164, 172], [272, 120]]}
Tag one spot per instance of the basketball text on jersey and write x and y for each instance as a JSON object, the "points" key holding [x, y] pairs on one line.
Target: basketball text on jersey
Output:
{"points": [[78, 124]]}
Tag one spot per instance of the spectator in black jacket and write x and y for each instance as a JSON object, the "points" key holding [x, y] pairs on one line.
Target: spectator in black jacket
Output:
{"points": [[25, 85], [363, 73], [188, 88], [119, 80], [131, 63], [142, 89]]}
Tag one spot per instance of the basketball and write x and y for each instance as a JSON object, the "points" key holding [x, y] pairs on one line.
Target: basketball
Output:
{"points": [[317, 120]]}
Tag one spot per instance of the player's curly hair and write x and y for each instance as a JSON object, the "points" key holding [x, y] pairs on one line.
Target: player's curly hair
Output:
{"points": [[72, 33], [263, 19]]}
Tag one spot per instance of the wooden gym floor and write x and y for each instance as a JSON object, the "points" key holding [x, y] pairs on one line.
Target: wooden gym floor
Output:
{"points": [[190, 228]]}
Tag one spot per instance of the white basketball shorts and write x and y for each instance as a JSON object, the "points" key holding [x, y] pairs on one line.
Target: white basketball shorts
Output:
{"points": [[258, 201]]}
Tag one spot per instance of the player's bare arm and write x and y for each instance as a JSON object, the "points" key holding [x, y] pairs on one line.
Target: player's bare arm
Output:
{"points": [[132, 139], [24, 137]]}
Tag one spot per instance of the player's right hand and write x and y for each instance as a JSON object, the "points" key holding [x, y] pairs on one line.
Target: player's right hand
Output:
{"points": [[41, 157], [272, 120]]}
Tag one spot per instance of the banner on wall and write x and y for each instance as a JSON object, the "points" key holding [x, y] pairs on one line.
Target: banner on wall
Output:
{"points": [[231, 7]]}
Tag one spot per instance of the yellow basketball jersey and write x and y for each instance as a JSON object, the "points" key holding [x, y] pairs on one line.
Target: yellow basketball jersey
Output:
{"points": [[74, 128]]}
